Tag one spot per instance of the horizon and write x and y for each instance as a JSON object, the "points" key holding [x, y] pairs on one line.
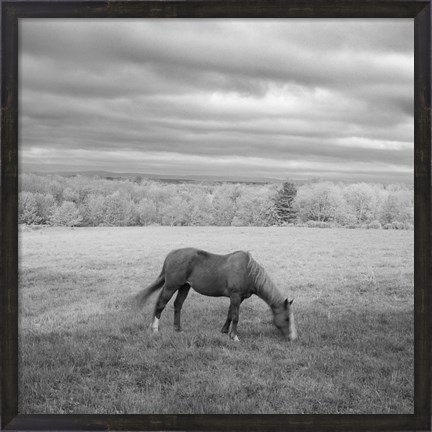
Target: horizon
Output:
{"points": [[111, 175], [273, 98]]}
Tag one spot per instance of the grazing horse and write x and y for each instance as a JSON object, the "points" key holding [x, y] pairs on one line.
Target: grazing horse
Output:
{"points": [[236, 275]]}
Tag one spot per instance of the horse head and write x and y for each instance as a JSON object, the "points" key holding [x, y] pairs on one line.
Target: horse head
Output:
{"points": [[283, 319]]}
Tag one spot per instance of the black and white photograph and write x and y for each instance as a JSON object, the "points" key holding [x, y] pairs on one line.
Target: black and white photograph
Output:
{"points": [[216, 216]]}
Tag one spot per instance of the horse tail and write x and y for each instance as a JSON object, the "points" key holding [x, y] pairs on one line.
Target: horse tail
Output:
{"points": [[143, 295]]}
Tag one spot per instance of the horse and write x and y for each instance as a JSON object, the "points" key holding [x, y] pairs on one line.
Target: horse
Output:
{"points": [[235, 275]]}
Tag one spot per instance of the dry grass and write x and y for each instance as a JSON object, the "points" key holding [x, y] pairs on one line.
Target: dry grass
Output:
{"points": [[83, 349]]}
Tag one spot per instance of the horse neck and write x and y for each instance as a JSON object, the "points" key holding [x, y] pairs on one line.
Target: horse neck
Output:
{"points": [[270, 294]]}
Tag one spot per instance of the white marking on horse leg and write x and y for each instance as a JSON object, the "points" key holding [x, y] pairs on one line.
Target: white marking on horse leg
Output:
{"points": [[234, 337], [292, 329], [155, 325]]}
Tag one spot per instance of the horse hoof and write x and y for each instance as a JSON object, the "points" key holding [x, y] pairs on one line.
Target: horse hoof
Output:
{"points": [[236, 339], [178, 329], [224, 330], [154, 330]]}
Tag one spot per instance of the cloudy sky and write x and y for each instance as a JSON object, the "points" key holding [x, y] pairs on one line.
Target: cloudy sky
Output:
{"points": [[287, 99]]}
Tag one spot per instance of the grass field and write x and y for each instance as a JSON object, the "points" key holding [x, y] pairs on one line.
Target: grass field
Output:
{"points": [[83, 349]]}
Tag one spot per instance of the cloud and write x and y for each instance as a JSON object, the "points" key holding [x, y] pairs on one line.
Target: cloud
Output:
{"points": [[300, 97]]}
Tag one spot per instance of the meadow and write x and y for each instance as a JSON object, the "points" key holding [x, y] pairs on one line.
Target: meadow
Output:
{"points": [[84, 348]]}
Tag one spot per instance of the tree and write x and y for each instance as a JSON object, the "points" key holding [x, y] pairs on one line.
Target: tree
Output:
{"points": [[224, 203], [284, 203], [66, 215], [200, 208], [146, 210], [70, 195], [361, 202], [159, 194], [254, 207], [319, 202], [28, 209], [93, 209], [119, 210], [174, 212], [45, 206], [398, 207]]}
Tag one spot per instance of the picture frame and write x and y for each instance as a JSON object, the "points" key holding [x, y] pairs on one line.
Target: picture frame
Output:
{"points": [[12, 12]]}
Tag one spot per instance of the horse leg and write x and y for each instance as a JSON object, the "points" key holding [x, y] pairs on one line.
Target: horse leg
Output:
{"points": [[178, 303], [163, 299], [225, 327], [235, 311]]}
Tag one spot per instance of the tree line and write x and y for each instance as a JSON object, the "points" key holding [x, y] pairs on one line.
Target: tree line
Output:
{"points": [[85, 201]]}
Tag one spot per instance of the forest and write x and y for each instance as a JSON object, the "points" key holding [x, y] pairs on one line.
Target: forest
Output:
{"points": [[93, 201]]}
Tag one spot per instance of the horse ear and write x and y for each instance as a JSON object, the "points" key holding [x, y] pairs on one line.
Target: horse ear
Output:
{"points": [[291, 302], [286, 304]]}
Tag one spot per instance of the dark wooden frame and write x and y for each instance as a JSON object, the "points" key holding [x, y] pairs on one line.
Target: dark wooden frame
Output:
{"points": [[420, 10]]}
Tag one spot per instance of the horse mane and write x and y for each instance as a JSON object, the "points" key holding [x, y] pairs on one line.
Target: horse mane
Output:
{"points": [[264, 286]]}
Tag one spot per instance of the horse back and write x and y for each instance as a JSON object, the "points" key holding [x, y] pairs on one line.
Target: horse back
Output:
{"points": [[208, 273]]}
